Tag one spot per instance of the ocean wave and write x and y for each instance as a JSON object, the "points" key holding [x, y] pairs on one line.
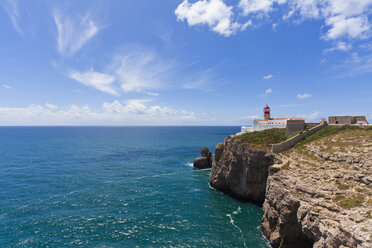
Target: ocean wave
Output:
{"points": [[189, 164]]}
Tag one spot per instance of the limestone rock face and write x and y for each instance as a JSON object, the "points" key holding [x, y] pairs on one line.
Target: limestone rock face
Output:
{"points": [[205, 161], [321, 195], [240, 170]]}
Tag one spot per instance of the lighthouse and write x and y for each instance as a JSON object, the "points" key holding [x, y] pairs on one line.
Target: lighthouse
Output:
{"points": [[267, 122], [266, 112]]}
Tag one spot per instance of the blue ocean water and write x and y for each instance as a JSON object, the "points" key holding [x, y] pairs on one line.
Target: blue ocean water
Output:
{"points": [[116, 187]]}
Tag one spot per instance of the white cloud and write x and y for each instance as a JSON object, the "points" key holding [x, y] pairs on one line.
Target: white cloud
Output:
{"points": [[304, 96], [11, 8], [140, 70], [73, 32], [136, 69], [136, 107], [6, 86], [343, 19], [356, 63], [150, 93], [340, 46], [354, 27], [268, 76], [51, 106], [100, 81], [214, 13], [134, 112], [267, 92], [254, 6], [314, 116]]}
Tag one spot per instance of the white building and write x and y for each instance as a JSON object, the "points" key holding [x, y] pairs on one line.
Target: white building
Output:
{"points": [[267, 122]]}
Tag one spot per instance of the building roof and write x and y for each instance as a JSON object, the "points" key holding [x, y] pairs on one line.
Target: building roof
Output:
{"points": [[281, 119]]}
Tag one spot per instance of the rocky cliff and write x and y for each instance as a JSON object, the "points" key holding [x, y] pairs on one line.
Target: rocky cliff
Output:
{"points": [[318, 194], [240, 170]]}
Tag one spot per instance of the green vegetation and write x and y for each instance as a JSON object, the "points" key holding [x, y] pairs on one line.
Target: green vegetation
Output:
{"points": [[327, 131], [264, 139], [338, 198], [360, 190], [342, 186], [369, 214], [285, 166], [363, 229], [349, 202]]}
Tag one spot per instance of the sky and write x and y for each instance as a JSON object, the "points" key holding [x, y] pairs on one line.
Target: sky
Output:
{"points": [[183, 62]]}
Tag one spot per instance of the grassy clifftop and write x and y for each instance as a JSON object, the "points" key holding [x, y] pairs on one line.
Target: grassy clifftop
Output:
{"points": [[347, 131], [265, 138]]}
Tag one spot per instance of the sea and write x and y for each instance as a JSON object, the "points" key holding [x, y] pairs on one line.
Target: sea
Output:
{"points": [[117, 187]]}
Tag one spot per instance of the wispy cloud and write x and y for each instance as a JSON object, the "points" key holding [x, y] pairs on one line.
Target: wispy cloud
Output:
{"points": [[6, 86], [201, 80], [339, 46], [135, 69], [304, 96], [267, 92], [314, 116], [268, 76], [150, 93], [11, 8], [73, 31], [100, 81], [133, 112], [142, 70]]}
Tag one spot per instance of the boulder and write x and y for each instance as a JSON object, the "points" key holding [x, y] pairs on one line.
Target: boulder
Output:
{"points": [[201, 163], [205, 161]]}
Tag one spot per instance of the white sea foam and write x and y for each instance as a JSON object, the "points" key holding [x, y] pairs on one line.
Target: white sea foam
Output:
{"points": [[189, 164], [233, 223], [237, 211], [160, 175]]}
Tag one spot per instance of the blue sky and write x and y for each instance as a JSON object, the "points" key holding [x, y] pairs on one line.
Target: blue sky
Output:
{"points": [[196, 62]]}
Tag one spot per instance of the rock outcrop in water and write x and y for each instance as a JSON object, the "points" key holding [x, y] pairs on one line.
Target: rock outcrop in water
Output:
{"points": [[240, 170], [205, 161], [319, 195]]}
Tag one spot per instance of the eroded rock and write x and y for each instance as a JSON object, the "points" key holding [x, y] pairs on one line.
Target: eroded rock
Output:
{"points": [[205, 161], [240, 170]]}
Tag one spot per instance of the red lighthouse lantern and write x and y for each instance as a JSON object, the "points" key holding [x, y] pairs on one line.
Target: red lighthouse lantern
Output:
{"points": [[266, 112]]}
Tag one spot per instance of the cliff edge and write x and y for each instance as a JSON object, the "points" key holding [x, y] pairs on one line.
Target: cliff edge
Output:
{"points": [[317, 194], [321, 194]]}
